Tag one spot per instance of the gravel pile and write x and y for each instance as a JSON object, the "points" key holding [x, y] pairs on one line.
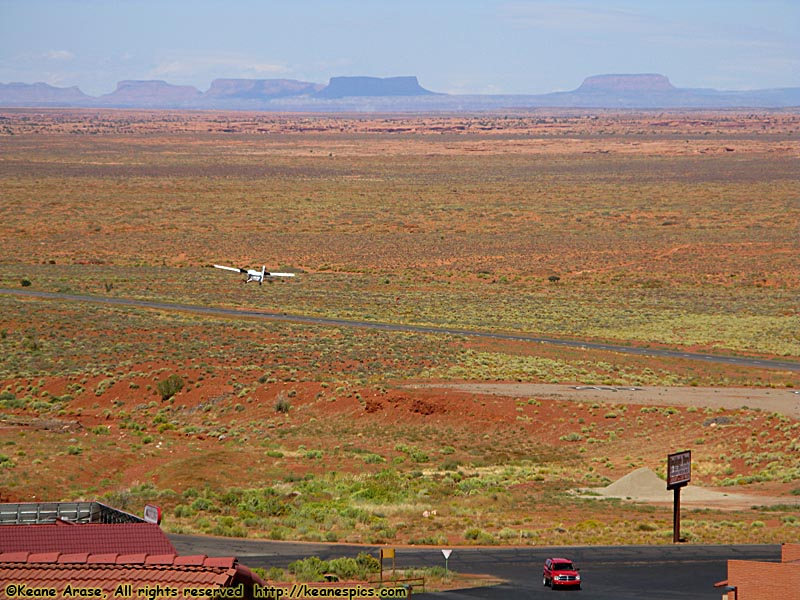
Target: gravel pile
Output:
{"points": [[643, 485]]}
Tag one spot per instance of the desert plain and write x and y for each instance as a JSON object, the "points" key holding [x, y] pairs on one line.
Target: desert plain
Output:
{"points": [[664, 230]]}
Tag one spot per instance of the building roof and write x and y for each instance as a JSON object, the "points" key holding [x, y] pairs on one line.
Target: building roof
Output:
{"points": [[96, 538], [57, 570]]}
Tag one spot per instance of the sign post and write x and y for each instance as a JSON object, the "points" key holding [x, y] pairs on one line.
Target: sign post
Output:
{"points": [[679, 474], [446, 556], [387, 553]]}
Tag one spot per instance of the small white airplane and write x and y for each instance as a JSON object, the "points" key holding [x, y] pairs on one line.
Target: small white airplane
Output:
{"points": [[253, 274]]}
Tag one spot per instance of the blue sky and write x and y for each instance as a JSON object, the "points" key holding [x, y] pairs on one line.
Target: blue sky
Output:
{"points": [[461, 47]]}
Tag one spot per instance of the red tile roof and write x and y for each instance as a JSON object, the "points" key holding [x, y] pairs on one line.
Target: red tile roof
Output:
{"points": [[96, 538], [107, 571]]}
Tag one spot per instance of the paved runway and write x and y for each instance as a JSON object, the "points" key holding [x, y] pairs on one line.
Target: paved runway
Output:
{"points": [[252, 314]]}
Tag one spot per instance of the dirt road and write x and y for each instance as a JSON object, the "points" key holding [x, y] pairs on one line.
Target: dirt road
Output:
{"points": [[780, 400]]}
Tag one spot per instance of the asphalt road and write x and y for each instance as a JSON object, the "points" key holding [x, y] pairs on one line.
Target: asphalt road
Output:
{"points": [[252, 314], [673, 572]]}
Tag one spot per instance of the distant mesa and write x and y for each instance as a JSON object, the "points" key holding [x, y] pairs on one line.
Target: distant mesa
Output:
{"points": [[370, 94], [346, 87], [639, 83], [41, 94], [150, 93], [259, 89]]}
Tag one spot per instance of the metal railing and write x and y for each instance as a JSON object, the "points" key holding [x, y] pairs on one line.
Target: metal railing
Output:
{"points": [[32, 513]]}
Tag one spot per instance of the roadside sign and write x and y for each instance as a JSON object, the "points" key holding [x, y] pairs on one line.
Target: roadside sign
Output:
{"points": [[679, 469], [679, 474], [152, 514], [447, 554]]}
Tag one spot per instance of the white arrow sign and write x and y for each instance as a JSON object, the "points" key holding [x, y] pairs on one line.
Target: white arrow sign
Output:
{"points": [[446, 553]]}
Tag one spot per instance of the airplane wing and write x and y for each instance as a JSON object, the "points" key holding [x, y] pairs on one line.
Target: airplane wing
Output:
{"points": [[234, 269], [279, 274]]}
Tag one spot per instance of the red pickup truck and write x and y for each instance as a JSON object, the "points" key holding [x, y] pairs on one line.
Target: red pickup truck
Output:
{"points": [[560, 572]]}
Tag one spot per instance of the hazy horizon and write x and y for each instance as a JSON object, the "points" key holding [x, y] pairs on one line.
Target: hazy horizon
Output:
{"points": [[465, 47]]}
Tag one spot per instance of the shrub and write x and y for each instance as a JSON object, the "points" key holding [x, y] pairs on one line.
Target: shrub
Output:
{"points": [[282, 404], [368, 563], [437, 571], [309, 569], [227, 527], [345, 568], [203, 504], [472, 534], [170, 386], [9, 400], [181, 510], [265, 502], [313, 568], [479, 536], [414, 453]]}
